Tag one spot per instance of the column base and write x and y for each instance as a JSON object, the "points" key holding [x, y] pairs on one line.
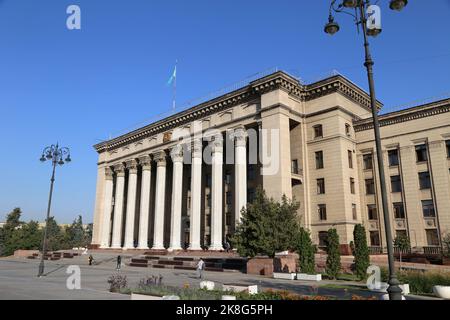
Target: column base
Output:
{"points": [[128, 248], [194, 247], [116, 247], [104, 247], [143, 248], [158, 247], [175, 249], [215, 248]]}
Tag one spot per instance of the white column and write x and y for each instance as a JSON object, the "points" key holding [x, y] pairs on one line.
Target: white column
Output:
{"points": [[131, 205], [160, 193], [145, 202], [118, 207], [240, 172], [107, 202], [196, 195], [177, 191], [217, 194]]}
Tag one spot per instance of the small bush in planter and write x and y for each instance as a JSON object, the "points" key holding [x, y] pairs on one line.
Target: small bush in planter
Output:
{"points": [[333, 264], [306, 251], [360, 251], [117, 283]]}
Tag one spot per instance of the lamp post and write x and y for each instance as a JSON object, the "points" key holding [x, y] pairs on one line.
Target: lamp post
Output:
{"points": [[364, 12], [55, 154]]}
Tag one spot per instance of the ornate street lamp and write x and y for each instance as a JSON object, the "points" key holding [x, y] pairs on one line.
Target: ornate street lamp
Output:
{"points": [[56, 155], [368, 17]]}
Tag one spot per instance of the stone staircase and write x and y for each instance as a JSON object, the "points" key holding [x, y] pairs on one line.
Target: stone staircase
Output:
{"points": [[217, 264]]}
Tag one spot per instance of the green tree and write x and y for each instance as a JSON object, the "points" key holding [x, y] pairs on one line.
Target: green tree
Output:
{"points": [[361, 251], [333, 264], [306, 251], [403, 244], [75, 234], [266, 227], [55, 236], [9, 237]]}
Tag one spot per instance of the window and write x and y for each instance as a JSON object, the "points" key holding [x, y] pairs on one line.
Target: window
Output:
{"points": [[399, 210], [354, 212], [320, 186], [294, 166], [319, 160], [352, 185], [208, 200], [189, 202], [347, 129], [228, 218], [432, 237], [318, 133], [396, 184], [370, 186], [350, 159], [424, 180], [447, 144], [251, 172], [368, 163], [251, 193], [428, 209], [228, 177], [229, 199], [421, 153], [393, 157], [401, 233], [375, 238], [323, 238], [208, 180], [207, 239], [372, 211], [208, 220], [189, 183], [322, 210]]}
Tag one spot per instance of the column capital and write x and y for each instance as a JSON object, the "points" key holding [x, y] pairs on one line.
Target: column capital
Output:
{"points": [[161, 158], [240, 136], [176, 153], [119, 169], [132, 166], [146, 162], [197, 148], [109, 173], [217, 143]]}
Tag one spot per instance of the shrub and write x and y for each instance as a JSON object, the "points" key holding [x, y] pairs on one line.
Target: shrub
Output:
{"points": [[117, 283], [333, 264], [419, 282], [306, 251], [361, 251]]}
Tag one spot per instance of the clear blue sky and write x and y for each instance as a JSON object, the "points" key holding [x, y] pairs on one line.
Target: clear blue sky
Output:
{"points": [[78, 87]]}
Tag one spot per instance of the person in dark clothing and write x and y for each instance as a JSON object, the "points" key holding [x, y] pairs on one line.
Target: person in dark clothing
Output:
{"points": [[91, 258], [119, 263]]}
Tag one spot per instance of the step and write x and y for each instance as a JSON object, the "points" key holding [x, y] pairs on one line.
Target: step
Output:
{"points": [[183, 259], [141, 265], [170, 262], [144, 261]]}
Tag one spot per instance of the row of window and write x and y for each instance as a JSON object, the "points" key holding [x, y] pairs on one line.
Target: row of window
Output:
{"points": [[393, 157], [321, 186], [322, 212], [399, 210], [375, 239], [396, 183], [318, 130]]}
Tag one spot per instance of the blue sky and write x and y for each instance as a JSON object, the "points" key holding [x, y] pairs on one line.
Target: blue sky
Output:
{"points": [[78, 87]]}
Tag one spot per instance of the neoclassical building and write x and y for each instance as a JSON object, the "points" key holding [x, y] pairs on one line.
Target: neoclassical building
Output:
{"points": [[311, 142]]}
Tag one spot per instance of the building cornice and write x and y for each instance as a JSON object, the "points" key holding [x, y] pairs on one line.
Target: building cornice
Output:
{"points": [[409, 114], [276, 81]]}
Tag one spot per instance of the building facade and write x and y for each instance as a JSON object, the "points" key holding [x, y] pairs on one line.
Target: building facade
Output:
{"points": [[311, 142]]}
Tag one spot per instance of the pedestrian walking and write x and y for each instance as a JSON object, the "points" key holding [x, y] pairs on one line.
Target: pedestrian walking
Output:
{"points": [[200, 268], [91, 258], [119, 263]]}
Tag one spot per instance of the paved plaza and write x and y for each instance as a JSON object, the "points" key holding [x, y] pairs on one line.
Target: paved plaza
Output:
{"points": [[18, 280]]}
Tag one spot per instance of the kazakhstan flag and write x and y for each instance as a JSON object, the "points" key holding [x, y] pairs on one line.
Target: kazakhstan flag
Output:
{"points": [[172, 77]]}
